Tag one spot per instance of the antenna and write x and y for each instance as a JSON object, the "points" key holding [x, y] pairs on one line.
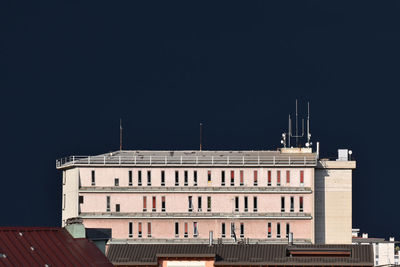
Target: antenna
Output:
{"points": [[201, 126], [120, 134], [286, 137], [308, 144], [297, 140]]}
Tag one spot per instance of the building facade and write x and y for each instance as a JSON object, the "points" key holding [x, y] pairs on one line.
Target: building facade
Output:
{"points": [[181, 196]]}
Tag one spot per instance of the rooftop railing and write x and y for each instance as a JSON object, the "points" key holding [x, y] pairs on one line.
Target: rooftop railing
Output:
{"points": [[286, 160]]}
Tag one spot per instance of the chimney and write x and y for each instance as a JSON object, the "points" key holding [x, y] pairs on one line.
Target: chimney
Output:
{"points": [[364, 235], [391, 239], [75, 227], [317, 150], [210, 239], [290, 240]]}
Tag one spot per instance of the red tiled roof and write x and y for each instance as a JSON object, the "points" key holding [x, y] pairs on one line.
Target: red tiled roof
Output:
{"points": [[51, 246]]}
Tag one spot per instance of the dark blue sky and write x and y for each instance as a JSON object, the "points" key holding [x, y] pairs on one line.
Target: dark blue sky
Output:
{"points": [[69, 70]]}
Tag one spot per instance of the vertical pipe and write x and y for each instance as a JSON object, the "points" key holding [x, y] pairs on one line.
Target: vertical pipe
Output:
{"points": [[200, 134], [297, 133], [210, 238]]}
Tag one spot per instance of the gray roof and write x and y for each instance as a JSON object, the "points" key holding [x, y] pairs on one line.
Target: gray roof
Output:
{"points": [[240, 254]]}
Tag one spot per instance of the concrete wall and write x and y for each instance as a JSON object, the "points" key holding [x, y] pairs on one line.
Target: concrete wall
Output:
{"points": [[70, 188], [333, 202]]}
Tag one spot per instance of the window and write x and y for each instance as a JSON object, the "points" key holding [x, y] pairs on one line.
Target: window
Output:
{"points": [[176, 229], [278, 178], [209, 176], [287, 177], [222, 178], [278, 230], [140, 229], [236, 203], [301, 204], [116, 182], [162, 178], [246, 204], [80, 199], [195, 229], [190, 203], [130, 229], [176, 178], [198, 203], [255, 204], [291, 204], [64, 200], [223, 230], [148, 178], [282, 204], [185, 234], [93, 178], [233, 230], [149, 229], [144, 203], [241, 178], [130, 178], [154, 204], [139, 178], [232, 178], [108, 203], [301, 178], [117, 208], [186, 181], [208, 203], [269, 235], [241, 230], [287, 230], [194, 178], [269, 178], [163, 203], [255, 178]]}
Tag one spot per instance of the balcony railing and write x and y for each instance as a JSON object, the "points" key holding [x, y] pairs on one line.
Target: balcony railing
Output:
{"points": [[285, 160]]}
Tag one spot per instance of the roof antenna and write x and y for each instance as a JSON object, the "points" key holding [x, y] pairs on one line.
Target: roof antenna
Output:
{"points": [[201, 124], [297, 132], [308, 144], [120, 134]]}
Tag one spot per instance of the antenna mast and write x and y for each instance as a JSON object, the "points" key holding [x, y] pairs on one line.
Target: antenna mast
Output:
{"points": [[120, 134], [201, 124]]}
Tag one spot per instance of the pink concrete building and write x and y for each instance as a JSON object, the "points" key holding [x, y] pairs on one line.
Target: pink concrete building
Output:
{"points": [[181, 196]]}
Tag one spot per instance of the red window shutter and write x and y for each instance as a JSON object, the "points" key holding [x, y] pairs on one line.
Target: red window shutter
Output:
{"points": [[278, 177], [140, 227], [149, 228], [154, 202], [269, 176], [144, 202], [255, 176], [269, 229], [241, 177], [301, 201], [302, 177], [186, 228], [287, 177], [162, 199], [232, 175]]}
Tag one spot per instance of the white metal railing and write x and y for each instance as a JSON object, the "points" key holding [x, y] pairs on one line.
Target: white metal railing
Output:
{"points": [[310, 160]]}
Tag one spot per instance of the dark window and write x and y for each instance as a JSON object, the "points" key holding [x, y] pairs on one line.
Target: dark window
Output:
{"points": [[195, 178], [195, 229], [176, 229], [255, 204], [233, 234], [301, 204], [287, 230], [236, 203], [149, 178], [269, 178], [130, 178], [241, 230], [93, 178], [291, 204], [222, 178], [148, 229], [208, 203], [117, 208], [116, 182], [130, 229], [255, 178], [163, 203], [246, 204], [269, 230], [241, 178], [198, 203], [185, 234], [108, 203], [186, 181], [140, 229], [144, 203], [154, 204], [223, 232], [190, 200], [176, 178], [282, 204], [162, 178], [80, 199], [278, 230], [139, 178], [209, 176]]}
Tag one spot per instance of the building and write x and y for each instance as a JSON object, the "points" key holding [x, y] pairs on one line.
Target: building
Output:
{"points": [[384, 251], [203, 255], [181, 196], [47, 246]]}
